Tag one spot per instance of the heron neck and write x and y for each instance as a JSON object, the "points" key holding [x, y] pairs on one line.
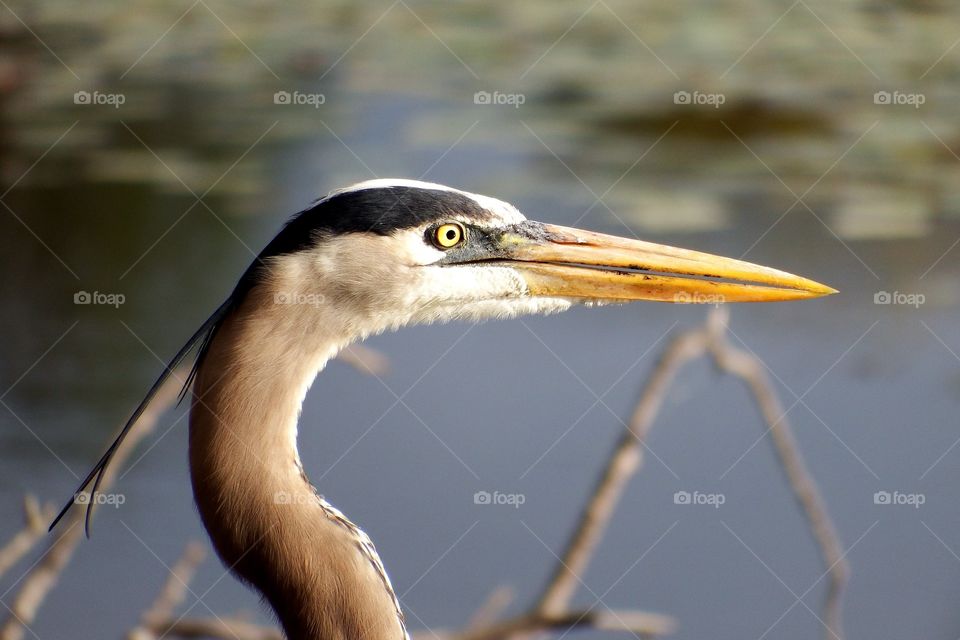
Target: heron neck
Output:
{"points": [[264, 518]]}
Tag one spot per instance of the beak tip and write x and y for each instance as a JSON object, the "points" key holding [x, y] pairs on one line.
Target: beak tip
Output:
{"points": [[820, 290]]}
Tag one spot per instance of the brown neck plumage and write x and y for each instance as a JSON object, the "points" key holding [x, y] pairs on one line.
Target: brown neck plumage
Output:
{"points": [[266, 522]]}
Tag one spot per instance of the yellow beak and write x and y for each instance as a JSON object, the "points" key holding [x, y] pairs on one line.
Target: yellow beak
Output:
{"points": [[572, 263]]}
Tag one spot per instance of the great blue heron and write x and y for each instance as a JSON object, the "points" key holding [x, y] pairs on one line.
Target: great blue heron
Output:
{"points": [[369, 258]]}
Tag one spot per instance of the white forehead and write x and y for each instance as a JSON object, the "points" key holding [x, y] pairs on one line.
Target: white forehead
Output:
{"points": [[507, 213]]}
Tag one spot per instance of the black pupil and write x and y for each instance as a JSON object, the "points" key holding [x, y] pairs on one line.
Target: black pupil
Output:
{"points": [[451, 234]]}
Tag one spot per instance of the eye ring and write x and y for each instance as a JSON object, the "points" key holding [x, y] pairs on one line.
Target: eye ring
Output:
{"points": [[449, 235]]}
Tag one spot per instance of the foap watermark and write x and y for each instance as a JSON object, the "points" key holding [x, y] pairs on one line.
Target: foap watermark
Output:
{"points": [[698, 498], [299, 98], [292, 297], [899, 499], [899, 98], [99, 498], [699, 98], [899, 298], [497, 498], [685, 297], [114, 100], [499, 98], [295, 498], [99, 298]]}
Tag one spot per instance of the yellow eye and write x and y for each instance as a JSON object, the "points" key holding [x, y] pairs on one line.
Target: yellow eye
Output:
{"points": [[448, 235]]}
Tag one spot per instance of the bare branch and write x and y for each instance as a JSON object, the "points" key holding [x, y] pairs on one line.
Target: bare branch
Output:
{"points": [[23, 541], [492, 608], [217, 628], [44, 575], [365, 360], [626, 459], [173, 594], [639, 623], [750, 369]]}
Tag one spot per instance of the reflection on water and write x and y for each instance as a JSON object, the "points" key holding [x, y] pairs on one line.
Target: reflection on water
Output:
{"points": [[164, 198]]}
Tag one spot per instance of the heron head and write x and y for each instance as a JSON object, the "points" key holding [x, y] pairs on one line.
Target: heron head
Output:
{"points": [[385, 253]]}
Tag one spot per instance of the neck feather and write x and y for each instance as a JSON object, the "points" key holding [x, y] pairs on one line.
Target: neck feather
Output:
{"points": [[317, 570]]}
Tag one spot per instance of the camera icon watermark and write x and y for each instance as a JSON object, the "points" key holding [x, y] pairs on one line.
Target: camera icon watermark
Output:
{"points": [[298, 98], [514, 100], [684, 297], [899, 98], [297, 298], [99, 498], [914, 300], [697, 498], [296, 498], [699, 98], [114, 100], [97, 298], [514, 500], [897, 498]]}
